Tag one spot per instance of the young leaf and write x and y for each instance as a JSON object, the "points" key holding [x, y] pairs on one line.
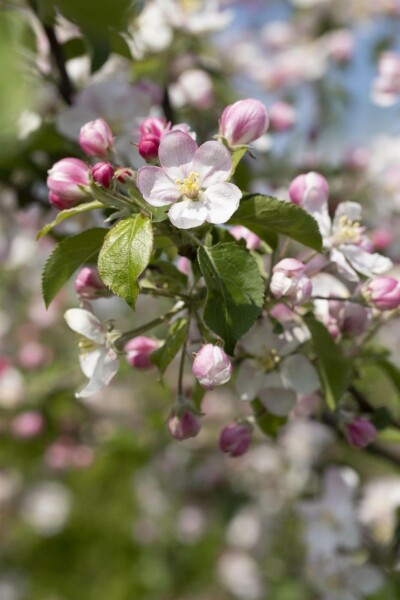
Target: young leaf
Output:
{"points": [[68, 256], [124, 256], [333, 366], [267, 216], [235, 291], [175, 340], [67, 214]]}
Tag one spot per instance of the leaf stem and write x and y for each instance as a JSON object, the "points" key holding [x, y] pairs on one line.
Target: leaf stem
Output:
{"points": [[125, 337], [181, 395]]}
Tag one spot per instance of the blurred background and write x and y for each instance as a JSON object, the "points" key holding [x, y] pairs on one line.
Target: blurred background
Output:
{"points": [[96, 501]]}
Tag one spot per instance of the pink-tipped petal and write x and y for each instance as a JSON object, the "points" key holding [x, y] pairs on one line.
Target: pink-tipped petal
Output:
{"points": [[213, 163], [156, 187], [176, 153]]}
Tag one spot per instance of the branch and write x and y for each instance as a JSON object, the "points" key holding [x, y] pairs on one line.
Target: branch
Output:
{"points": [[64, 86]]}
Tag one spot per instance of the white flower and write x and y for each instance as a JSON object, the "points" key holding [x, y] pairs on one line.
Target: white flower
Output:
{"points": [[98, 360], [344, 238], [275, 375], [192, 179], [331, 522]]}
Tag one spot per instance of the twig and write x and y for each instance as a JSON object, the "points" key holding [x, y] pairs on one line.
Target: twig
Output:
{"points": [[65, 86]]}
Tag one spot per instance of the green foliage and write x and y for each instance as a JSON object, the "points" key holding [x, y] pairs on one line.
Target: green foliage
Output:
{"points": [[391, 371], [175, 340], [332, 365], [125, 255], [267, 216], [268, 423], [67, 214], [235, 291], [70, 254]]}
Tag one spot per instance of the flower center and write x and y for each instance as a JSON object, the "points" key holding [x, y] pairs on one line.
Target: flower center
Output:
{"points": [[190, 5], [85, 345], [270, 361], [348, 232], [190, 186]]}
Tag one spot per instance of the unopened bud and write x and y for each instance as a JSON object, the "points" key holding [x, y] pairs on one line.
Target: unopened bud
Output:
{"points": [[95, 138], [88, 284], [360, 432], [139, 349], [235, 439], [307, 186], [383, 292], [244, 122], [103, 173], [148, 146], [288, 279], [183, 425], [212, 366]]}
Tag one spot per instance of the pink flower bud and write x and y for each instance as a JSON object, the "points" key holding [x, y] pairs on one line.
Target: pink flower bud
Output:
{"points": [[183, 265], [27, 425], [139, 350], [95, 138], [383, 292], [288, 279], [184, 425], [235, 439], [34, 355], [242, 233], [155, 126], [65, 180], [340, 45], [60, 203], [309, 184], [381, 238], [88, 284], [211, 366], [360, 432], [103, 173], [125, 174], [148, 146], [282, 116], [244, 122]]}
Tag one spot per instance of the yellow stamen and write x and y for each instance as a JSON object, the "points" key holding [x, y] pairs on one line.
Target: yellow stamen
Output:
{"points": [[190, 5], [349, 232], [190, 186]]}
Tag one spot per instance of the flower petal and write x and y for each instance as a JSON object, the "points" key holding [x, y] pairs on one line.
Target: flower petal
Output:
{"points": [[351, 210], [342, 265], [213, 163], [89, 360], [176, 153], [106, 367], [156, 187], [187, 214], [364, 262], [221, 201], [299, 374], [85, 323], [278, 401], [249, 380]]}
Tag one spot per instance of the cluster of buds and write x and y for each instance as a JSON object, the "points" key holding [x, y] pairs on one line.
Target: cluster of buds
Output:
{"points": [[289, 280], [152, 130]]}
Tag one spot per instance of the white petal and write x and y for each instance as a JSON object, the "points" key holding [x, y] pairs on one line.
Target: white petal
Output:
{"points": [[156, 187], [106, 367], [213, 163], [278, 400], [342, 265], [364, 262], [249, 380], [316, 204], [351, 210], [89, 360], [187, 214], [85, 323], [299, 374], [221, 201], [176, 153]]}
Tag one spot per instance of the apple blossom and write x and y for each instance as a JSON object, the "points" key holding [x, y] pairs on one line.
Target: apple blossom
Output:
{"points": [[183, 425], [103, 173], [244, 122], [289, 280], [139, 349], [282, 116], [360, 432], [148, 146], [89, 285], [235, 439], [192, 179], [383, 293], [98, 359], [68, 182], [96, 138], [212, 366], [252, 240]]}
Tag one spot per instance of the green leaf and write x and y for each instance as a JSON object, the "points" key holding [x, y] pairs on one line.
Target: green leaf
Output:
{"points": [[68, 256], [268, 423], [237, 155], [391, 371], [67, 214], [332, 364], [235, 291], [267, 216], [124, 256], [175, 340]]}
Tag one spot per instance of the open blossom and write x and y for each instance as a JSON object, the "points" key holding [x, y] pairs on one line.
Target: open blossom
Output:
{"points": [[343, 237], [193, 87], [244, 122], [98, 359], [68, 182], [289, 280], [212, 366], [383, 293], [192, 179], [96, 138], [275, 374], [139, 349]]}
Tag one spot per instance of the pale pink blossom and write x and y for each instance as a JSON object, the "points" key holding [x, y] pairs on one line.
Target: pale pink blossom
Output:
{"points": [[244, 122], [212, 366], [282, 116], [191, 179], [139, 350], [383, 293], [89, 285], [288, 279]]}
